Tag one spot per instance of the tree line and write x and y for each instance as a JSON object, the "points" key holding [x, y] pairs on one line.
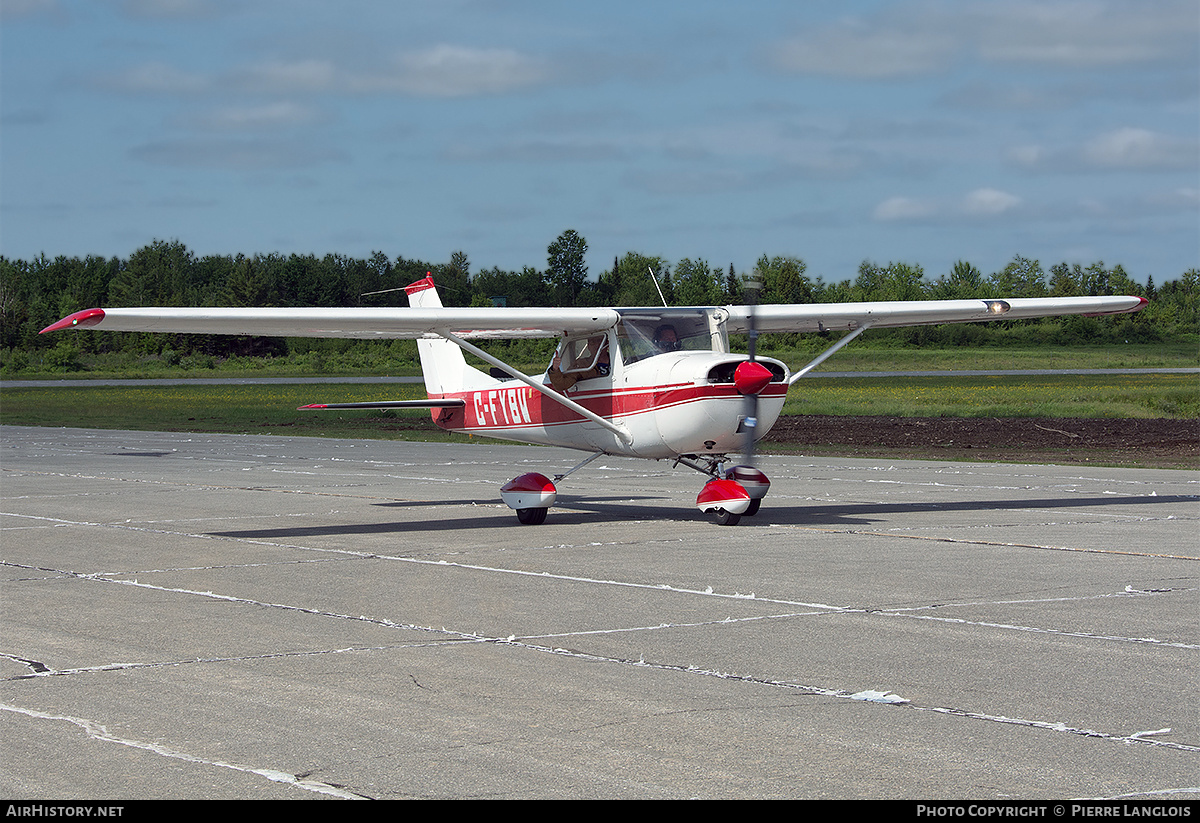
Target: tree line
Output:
{"points": [[35, 293]]}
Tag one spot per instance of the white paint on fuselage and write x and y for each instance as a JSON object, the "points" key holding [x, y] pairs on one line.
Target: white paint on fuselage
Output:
{"points": [[664, 428]]}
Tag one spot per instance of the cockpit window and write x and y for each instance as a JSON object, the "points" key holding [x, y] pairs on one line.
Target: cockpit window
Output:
{"points": [[583, 354], [644, 334]]}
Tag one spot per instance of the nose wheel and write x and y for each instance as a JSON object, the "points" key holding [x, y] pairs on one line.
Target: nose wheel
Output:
{"points": [[725, 518], [725, 500], [739, 493], [532, 517]]}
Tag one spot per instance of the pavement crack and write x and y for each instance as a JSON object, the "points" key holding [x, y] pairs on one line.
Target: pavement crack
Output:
{"points": [[97, 731], [35, 666]]}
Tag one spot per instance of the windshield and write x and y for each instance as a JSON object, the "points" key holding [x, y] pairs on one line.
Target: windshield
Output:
{"points": [[645, 333]]}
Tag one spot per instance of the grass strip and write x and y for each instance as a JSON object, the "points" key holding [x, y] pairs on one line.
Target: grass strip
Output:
{"points": [[272, 408]]}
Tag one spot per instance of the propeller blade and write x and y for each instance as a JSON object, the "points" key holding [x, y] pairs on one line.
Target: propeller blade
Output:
{"points": [[751, 382]]}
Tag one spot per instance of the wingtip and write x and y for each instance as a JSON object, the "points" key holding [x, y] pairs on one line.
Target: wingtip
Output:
{"points": [[78, 320], [1141, 304]]}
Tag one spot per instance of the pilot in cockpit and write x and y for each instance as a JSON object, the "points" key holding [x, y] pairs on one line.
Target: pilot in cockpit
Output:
{"points": [[577, 360], [666, 338]]}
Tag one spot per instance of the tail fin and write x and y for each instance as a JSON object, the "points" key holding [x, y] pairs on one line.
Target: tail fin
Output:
{"points": [[445, 369]]}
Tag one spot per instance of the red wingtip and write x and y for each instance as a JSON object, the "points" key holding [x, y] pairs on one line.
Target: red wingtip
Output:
{"points": [[312, 406], [80, 319]]}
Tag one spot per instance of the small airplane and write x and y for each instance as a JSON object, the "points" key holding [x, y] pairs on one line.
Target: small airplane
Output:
{"points": [[656, 383]]}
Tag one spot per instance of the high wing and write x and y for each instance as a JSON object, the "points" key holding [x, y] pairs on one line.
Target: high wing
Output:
{"points": [[360, 323], [510, 323], [817, 317]]}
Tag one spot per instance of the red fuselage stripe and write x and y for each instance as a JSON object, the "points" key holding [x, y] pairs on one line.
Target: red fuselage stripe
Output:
{"points": [[516, 407]]}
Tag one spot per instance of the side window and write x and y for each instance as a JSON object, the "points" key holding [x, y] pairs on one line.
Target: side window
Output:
{"points": [[584, 354]]}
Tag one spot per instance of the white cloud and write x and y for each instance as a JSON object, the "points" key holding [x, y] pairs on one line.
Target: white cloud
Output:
{"points": [[1027, 157], [14, 9], [277, 76], [536, 151], [1133, 148], [853, 50], [1074, 33], [903, 208], [156, 78], [269, 116], [986, 202], [172, 9], [1124, 149], [982, 202], [442, 71], [928, 37], [456, 71], [234, 154]]}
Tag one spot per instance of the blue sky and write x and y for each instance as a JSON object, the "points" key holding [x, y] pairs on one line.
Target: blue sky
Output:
{"points": [[837, 132]]}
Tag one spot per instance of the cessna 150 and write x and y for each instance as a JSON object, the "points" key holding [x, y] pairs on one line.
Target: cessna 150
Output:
{"points": [[656, 383]]}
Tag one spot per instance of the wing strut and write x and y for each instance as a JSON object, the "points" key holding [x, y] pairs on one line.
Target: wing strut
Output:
{"points": [[620, 432], [829, 352]]}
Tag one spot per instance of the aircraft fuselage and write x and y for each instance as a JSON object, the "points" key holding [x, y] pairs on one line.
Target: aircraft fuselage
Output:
{"points": [[671, 404]]}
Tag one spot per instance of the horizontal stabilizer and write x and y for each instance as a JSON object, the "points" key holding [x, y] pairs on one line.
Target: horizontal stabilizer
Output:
{"points": [[389, 404]]}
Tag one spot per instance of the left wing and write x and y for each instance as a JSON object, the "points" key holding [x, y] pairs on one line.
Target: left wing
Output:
{"points": [[364, 324], [817, 317]]}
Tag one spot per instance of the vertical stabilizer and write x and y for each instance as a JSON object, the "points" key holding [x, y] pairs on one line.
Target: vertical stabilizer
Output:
{"points": [[442, 362]]}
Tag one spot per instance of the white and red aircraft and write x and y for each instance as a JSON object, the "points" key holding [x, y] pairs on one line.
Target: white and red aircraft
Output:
{"points": [[657, 383]]}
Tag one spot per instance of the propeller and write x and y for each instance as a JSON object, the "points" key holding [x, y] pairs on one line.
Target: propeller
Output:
{"points": [[743, 487], [747, 373], [751, 377]]}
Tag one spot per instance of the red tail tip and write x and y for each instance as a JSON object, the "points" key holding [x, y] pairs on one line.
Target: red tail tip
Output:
{"points": [[421, 285]]}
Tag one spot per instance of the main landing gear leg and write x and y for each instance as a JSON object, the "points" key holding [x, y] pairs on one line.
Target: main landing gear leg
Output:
{"points": [[532, 494]]}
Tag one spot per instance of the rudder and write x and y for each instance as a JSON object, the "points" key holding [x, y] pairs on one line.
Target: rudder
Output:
{"points": [[442, 362]]}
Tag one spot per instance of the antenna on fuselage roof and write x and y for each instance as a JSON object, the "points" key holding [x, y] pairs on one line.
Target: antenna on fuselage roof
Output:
{"points": [[655, 279]]}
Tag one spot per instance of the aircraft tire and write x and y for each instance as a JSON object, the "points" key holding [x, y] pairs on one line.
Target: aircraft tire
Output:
{"points": [[753, 510], [532, 517], [725, 518]]}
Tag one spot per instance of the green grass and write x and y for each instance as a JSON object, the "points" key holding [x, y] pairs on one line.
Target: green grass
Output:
{"points": [[1132, 356], [273, 409], [208, 408], [1058, 395]]}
